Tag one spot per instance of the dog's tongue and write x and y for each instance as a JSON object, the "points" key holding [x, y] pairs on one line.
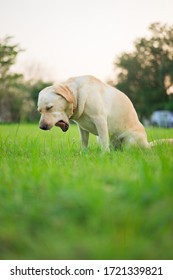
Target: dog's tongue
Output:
{"points": [[63, 125]]}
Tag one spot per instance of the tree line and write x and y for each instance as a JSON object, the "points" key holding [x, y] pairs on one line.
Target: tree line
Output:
{"points": [[143, 74], [18, 97], [146, 73]]}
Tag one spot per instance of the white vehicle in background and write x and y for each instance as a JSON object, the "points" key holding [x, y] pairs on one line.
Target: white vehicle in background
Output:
{"points": [[162, 118]]}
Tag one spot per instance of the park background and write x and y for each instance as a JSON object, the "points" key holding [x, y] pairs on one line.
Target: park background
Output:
{"points": [[128, 44]]}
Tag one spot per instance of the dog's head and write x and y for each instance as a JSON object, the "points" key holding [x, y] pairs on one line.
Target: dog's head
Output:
{"points": [[55, 104]]}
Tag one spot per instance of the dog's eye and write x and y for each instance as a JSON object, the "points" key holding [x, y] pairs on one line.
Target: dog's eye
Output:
{"points": [[49, 108]]}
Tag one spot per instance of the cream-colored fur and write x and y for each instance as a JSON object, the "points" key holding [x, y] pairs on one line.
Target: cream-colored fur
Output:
{"points": [[97, 108]]}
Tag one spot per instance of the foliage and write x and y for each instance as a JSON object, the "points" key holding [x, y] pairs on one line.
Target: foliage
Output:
{"points": [[8, 53], [15, 101], [143, 71], [59, 203], [17, 96]]}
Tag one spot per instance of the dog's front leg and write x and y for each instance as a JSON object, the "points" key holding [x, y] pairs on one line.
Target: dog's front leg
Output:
{"points": [[84, 136], [103, 135]]}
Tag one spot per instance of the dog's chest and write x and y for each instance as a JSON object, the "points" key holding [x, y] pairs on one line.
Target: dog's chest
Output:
{"points": [[87, 123]]}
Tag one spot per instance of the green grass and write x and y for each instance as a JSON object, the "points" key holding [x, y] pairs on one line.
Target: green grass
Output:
{"points": [[59, 203]]}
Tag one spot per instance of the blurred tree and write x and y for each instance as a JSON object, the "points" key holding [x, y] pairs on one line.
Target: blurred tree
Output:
{"points": [[16, 102], [34, 87], [142, 72], [8, 53], [13, 93]]}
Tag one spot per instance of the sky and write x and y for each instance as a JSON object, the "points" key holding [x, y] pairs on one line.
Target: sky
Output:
{"points": [[64, 38]]}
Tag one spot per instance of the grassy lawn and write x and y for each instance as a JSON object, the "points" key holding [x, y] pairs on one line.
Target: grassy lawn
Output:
{"points": [[59, 203]]}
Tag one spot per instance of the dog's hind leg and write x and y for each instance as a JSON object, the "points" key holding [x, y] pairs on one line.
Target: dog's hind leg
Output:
{"points": [[137, 139]]}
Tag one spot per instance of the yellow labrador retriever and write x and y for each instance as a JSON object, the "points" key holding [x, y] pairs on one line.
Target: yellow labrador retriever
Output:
{"points": [[97, 108]]}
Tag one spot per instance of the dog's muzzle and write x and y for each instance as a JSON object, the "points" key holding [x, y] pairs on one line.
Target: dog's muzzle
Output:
{"points": [[44, 126]]}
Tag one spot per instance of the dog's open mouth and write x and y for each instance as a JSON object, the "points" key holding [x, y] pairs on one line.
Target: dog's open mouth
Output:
{"points": [[63, 125]]}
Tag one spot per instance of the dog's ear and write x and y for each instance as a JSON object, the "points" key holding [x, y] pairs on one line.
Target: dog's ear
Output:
{"points": [[65, 92]]}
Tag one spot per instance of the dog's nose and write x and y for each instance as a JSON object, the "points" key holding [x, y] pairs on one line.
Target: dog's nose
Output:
{"points": [[44, 126]]}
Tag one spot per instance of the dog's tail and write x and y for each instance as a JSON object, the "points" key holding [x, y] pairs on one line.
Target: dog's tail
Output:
{"points": [[160, 141]]}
